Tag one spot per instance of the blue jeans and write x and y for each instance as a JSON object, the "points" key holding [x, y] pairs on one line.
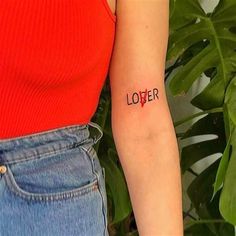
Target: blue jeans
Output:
{"points": [[52, 184]]}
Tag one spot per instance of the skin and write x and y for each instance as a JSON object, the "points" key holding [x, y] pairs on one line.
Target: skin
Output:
{"points": [[141, 97], [112, 4], [144, 134]]}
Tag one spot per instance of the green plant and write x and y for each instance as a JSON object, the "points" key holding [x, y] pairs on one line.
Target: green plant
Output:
{"points": [[205, 44]]}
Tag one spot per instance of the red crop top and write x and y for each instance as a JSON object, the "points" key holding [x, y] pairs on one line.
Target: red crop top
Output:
{"points": [[54, 58]]}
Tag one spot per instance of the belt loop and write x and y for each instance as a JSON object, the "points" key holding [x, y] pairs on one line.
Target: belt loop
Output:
{"points": [[96, 138]]}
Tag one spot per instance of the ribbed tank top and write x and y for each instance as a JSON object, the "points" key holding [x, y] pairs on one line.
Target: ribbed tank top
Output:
{"points": [[54, 59]]}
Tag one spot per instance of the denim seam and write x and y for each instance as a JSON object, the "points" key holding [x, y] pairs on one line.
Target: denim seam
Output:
{"points": [[59, 130], [45, 154], [68, 194], [87, 150]]}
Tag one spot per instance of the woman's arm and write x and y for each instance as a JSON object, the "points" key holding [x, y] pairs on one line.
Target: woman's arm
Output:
{"points": [[143, 131]]}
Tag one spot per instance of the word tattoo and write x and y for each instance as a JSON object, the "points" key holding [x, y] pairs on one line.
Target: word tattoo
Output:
{"points": [[142, 97]]}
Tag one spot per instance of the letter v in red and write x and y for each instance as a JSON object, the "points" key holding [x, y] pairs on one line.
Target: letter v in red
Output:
{"points": [[143, 98]]}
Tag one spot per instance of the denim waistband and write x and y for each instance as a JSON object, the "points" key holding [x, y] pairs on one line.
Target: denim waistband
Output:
{"points": [[35, 145]]}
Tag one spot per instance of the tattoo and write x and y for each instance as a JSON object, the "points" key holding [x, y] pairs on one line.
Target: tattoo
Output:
{"points": [[142, 97]]}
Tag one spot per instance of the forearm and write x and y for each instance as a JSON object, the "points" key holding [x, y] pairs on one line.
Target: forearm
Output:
{"points": [[143, 131], [149, 156]]}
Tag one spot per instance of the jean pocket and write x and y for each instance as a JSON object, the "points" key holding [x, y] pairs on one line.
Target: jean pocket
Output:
{"points": [[57, 176]]}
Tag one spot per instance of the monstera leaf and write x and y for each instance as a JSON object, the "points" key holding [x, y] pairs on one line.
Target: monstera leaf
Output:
{"points": [[228, 196], [216, 31], [203, 43], [212, 124]]}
